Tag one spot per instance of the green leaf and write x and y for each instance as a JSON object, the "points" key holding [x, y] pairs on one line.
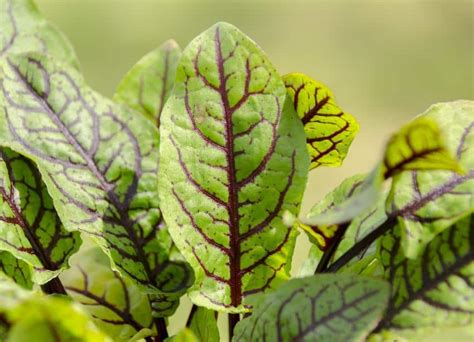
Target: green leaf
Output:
{"points": [[204, 324], [147, 86], [30, 313], [419, 145], [427, 202], [30, 228], [232, 160], [22, 29], [329, 130], [99, 161], [185, 335], [16, 269], [117, 304], [436, 289], [325, 307]]}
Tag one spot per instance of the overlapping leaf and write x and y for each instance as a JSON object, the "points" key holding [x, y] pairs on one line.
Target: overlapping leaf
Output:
{"points": [[320, 308], [22, 29], [232, 161], [147, 86], [426, 202], [29, 313], [329, 130], [99, 161], [30, 228], [117, 304], [203, 323], [434, 290], [16, 269]]}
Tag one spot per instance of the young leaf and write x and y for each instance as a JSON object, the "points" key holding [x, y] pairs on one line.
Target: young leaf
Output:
{"points": [[147, 86], [418, 145], [325, 307], [203, 323], [22, 29], [232, 160], [30, 228], [117, 304], [99, 161], [434, 290], [329, 130], [427, 202], [16, 269]]}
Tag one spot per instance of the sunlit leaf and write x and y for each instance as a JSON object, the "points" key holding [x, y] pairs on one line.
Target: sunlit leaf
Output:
{"points": [[436, 289], [99, 161], [185, 335], [329, 130], [232, 160], [22, 29], [147, 86], [30, 228], [325, 307], [16, 269]]}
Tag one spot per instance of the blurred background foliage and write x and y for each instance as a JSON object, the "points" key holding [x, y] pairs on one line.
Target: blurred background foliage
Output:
{"points": [[386, 61]]}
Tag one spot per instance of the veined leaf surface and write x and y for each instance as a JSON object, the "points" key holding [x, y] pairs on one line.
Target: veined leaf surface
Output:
{"points": [[22, 29], [147, 86], [325, 307], [99, 161], [437, 288], [232, 160], [16, 269], [329, 130], [30, 228]]}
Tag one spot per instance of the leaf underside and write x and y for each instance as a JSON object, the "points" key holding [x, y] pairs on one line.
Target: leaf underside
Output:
{"points": [[325, 307], [99, 161], [232, 160], [329, 130]]}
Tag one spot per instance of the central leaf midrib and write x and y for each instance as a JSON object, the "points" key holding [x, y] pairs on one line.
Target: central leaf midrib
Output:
{"points": [[234, 234], [91, 164]]}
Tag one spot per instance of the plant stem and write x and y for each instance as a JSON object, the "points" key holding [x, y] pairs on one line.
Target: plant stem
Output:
{"points": [[233, 320], [54, 286], [329, 253], [162, 333], [362, 244], [191, 314]]}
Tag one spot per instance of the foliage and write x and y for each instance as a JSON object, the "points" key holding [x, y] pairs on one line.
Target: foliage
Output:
{"points": [[190, 182]]}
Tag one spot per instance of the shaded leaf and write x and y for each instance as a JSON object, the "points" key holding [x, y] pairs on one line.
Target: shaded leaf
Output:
{"points": [[22, 29], [325, 307], [329, 130], [227, 117], [147, 86], [203, 323], [117, 304], [434, 290], [30, 228], [99, 161], [185, 335], [16, 269]]}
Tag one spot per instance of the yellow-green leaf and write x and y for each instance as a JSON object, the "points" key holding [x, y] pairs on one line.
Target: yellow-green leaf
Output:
{"points": [[329, 130]]}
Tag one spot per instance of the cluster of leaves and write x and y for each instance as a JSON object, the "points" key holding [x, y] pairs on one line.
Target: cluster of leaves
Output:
{"points": [[189, 182]]}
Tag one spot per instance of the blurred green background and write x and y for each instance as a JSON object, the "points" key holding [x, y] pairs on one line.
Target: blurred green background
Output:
{"points": [[386, 61]]}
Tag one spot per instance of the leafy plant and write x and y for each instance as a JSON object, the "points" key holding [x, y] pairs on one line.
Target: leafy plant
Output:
{"points": [[190, 181]]}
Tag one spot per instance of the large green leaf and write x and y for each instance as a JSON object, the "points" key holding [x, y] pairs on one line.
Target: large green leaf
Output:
{"points": [[30, 228], [147, 86], [233, 159], [329, 130], [99, 161], [203, 323], [117, 304], [325, 307], [16, 269], [426, 202], [22, 29], [30, 314], [436, 289]]}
